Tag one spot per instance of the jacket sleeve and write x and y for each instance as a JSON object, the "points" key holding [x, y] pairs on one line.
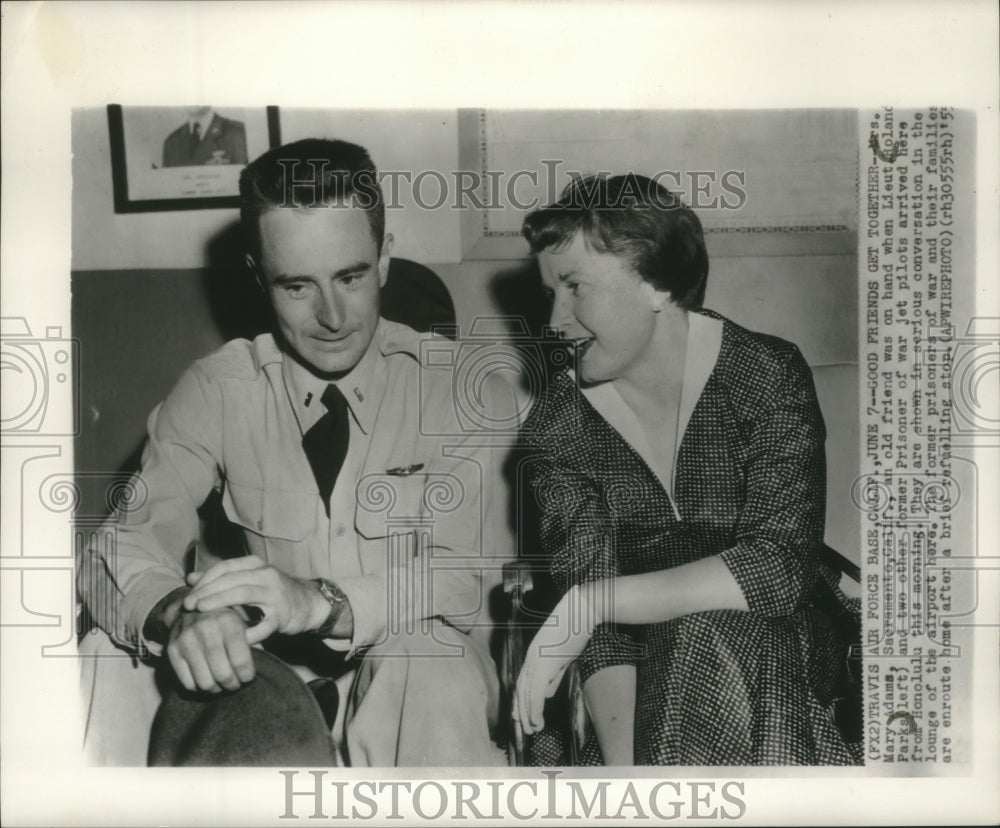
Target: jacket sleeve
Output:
{"points": [[578, 538], [121, 581], [781, 524]]}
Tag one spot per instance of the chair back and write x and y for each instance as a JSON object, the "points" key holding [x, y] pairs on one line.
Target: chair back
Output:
{"points": [[414, 295]]}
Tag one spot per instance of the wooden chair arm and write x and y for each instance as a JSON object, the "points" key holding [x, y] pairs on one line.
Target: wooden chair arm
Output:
{"points": [[517, 581], [834, 559]]}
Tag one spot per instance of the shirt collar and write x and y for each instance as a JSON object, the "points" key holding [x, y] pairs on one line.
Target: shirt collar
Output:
{"points": [[204, 122], [704, 341], [362, 387], [704, 345]]}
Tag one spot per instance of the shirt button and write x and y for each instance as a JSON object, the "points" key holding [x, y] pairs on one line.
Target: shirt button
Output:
{"points": [[340, 530]]}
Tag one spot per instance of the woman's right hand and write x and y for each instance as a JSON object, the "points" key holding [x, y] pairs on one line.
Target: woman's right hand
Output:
{"points": [[555, 646]]}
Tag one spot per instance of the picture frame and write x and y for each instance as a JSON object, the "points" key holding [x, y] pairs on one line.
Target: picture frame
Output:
{"points": [[185, 157]]}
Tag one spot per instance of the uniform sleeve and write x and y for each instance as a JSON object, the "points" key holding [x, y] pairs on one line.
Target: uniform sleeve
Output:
{"points": [[781, 524], [447, 566], [121, 582], [577, 536]]}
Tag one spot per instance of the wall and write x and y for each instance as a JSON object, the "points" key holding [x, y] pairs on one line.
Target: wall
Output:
{"points": [[795, 285], [103, 240], [151, 292]]}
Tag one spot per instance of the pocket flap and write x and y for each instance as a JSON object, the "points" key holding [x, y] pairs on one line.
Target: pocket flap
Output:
{"points": [[384, 497], [283, 515]]}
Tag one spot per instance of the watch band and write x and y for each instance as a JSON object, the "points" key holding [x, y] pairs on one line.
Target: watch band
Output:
{"points": [[335, 597]]}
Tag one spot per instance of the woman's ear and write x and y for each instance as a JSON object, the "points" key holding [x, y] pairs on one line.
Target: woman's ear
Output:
{"points": [[659, 299]]}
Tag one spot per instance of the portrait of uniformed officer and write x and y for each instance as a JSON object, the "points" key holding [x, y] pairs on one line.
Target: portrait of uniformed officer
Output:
{"points": [[206, 138]]}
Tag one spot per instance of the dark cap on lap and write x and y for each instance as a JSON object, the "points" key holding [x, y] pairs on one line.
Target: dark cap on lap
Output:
{"points": [[271, 721]]}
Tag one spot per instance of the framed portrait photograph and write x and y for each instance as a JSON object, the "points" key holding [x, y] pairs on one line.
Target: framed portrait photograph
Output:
{"points": [[184, 157]]}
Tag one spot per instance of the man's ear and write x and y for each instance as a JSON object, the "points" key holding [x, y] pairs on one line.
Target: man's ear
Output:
{"points": [[256, 273], [383, 260]]}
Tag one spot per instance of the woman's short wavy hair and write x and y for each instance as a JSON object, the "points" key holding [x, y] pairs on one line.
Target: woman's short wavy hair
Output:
{"points": [[633, 217]]}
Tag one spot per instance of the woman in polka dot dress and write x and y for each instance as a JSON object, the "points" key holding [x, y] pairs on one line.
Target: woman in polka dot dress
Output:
{"points": [[680, 476]]}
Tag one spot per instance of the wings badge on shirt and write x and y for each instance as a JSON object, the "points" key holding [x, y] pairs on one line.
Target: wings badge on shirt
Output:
{"points": [[404, 471]]}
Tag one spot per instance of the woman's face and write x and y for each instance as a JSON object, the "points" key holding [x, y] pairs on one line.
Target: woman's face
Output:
{"points": [[602, 304]]}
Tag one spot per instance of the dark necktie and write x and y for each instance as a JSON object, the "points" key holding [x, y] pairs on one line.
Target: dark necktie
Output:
{"points": [[325, 443], [195, 136]]}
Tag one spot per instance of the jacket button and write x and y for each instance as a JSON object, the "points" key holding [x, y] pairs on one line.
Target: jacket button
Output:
{"points": [[340, 530], [260, 525]]}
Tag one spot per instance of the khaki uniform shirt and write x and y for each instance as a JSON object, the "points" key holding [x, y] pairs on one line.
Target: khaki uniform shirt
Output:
{"points": [[419, 517]]}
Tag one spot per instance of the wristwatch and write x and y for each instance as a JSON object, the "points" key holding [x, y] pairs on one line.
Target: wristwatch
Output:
{"points": [[335, 597]]}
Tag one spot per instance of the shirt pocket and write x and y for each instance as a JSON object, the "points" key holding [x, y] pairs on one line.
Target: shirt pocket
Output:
{"points": [[389, 504], [273, 515]]}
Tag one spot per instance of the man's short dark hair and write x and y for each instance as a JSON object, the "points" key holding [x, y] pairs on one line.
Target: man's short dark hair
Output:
{"points": [[633, 217], [315, 172]]}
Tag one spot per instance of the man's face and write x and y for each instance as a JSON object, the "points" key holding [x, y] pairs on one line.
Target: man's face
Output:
{"points": [[322, 271]]}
